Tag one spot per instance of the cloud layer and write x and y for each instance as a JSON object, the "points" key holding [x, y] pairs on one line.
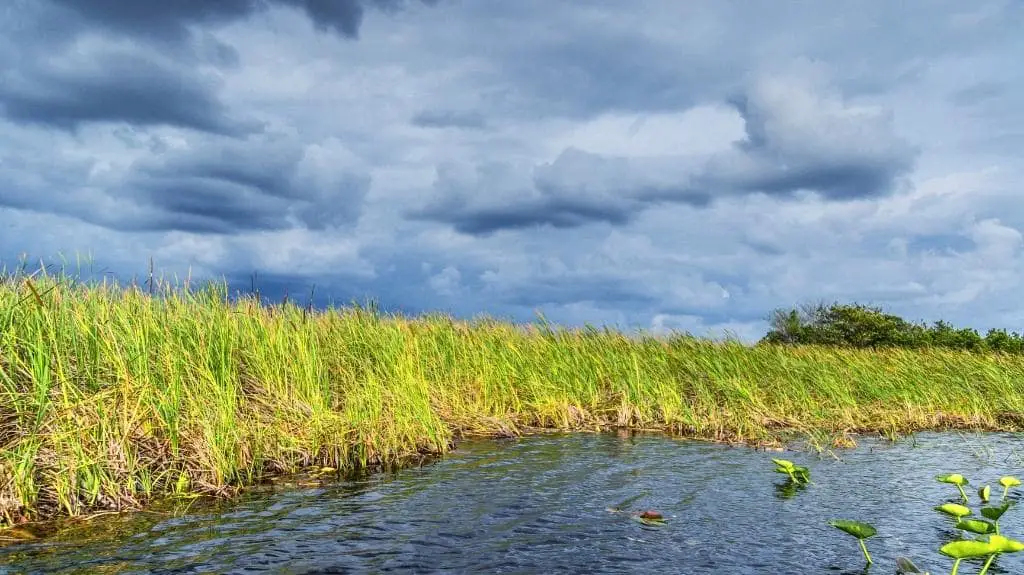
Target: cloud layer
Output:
{"points": [[656, 165]]}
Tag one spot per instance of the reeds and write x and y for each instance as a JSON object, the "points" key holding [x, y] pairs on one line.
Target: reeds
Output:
{"points": [[110, 396]]}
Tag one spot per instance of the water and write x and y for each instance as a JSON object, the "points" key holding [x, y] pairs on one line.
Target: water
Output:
{"points": [[539, 505]]}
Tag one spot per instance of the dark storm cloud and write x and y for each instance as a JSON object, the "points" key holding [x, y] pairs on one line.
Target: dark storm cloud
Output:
{"points": [[221, 186], [136, 88], [562, 215], [799, 138], [229, 187], [168, 19], [171, 18], [577, 189], [495, 197], [153, 79]]}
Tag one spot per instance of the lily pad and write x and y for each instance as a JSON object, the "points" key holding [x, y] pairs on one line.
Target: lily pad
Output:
{"points": [[954, 509], [967, 549], [1009, 481], [984, 493], [978, 526], [855, 528], [995, 512], [954, 478], [1005, 544]]}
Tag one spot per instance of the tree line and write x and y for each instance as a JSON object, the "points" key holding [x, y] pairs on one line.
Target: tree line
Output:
{"points": [[862, 326]]}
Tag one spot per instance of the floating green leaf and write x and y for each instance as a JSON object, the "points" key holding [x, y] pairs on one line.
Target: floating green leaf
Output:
{"points": [[1000, 544], [984, 493], [802, 473], [955, 479], [859, 530], [1008, 481], [797, 473], [855, 528], [995, 512], [967, 549], [954, 509], [1005, 544], [978, 526]]}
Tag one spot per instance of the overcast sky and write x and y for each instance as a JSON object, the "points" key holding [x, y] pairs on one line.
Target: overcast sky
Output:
{"points": [[649, 164]]}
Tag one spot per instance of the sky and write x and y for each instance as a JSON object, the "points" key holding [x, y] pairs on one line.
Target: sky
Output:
{"points": [[640, 164]]}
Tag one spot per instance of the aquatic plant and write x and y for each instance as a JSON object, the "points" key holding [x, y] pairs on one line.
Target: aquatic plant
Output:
{"points": [[797, 473], [993, 513], [989, 548], [1000, 545], [984, 493], [994, 545], [857, 529], [1008, 481], [955, 479], [965, 549], [977, 548], [954, 509], [979, 526]]}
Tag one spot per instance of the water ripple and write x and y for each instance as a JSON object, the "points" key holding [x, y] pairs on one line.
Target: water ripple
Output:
{"points": [[540, 505]]}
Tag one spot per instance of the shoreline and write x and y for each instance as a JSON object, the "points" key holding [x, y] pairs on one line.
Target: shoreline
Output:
{"points": [[45, 527], [111, 398]]}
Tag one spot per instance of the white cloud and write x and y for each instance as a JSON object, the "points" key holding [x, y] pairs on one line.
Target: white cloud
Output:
{"points": [[700, 130]]}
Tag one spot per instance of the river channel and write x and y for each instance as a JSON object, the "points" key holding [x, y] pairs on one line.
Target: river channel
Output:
{"points": [[563, 504]]}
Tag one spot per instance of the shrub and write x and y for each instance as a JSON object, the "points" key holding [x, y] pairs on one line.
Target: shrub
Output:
{"points": [[861, 326]]}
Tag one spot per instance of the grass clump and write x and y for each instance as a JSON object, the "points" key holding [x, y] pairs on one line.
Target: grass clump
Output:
{"points": [[110, 396]]}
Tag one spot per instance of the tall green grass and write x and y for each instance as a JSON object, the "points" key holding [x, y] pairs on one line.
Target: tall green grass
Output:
{"points": [[110, 397]]}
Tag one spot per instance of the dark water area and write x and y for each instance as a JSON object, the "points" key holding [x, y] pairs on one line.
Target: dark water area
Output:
{"points": [[540, 505]]}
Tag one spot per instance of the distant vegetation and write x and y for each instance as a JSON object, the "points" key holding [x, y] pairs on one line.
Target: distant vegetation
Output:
{"points": [[861, 326]]}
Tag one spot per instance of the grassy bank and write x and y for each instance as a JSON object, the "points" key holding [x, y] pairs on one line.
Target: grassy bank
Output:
{"points": [[109, 397]]}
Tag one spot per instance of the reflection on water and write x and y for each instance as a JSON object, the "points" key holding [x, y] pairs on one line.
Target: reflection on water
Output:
{"points": [[541, 505]]}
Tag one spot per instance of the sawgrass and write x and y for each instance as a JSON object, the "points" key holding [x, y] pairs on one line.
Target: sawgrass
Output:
{"points": [[110, 396]]}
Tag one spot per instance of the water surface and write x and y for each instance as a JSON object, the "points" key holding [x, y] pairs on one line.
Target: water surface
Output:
{"points": [[540, 505]]}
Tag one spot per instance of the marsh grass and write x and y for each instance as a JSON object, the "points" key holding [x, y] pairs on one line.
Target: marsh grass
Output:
{"points": [[111, 396]]}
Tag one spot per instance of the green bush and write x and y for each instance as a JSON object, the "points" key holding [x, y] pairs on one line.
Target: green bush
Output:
{"points": [[862, 326]]}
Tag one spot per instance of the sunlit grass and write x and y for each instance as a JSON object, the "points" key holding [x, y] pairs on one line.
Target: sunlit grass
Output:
{"points": [[110, 396]]}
